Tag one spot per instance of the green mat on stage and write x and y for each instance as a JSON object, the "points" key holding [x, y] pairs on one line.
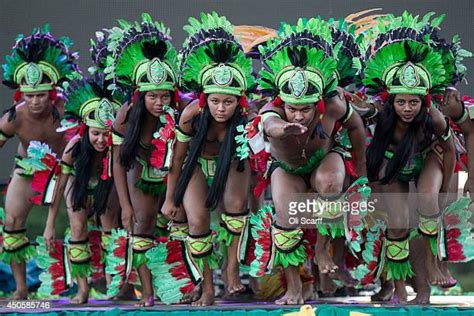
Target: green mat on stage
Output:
{"points": [[322, 310]]}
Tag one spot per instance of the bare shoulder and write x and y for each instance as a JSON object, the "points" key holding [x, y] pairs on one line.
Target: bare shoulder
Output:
{"points": [[270, 107], [438, 119], [336, 106], [120, 125], [186, 118], [59, 105], [67, 155]]}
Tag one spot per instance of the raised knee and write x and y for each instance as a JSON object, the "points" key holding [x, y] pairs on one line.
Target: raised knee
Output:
{"points": [[329, 183]]}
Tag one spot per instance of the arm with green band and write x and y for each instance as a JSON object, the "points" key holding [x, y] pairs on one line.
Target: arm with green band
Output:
{"points": [[183, 137], [66, 169]]}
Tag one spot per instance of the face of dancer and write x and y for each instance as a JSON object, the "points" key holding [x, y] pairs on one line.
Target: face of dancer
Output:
{"points": [[98, 138], [155, 100], [37, 102], [407, 106], [301, 113], [222, 106]]}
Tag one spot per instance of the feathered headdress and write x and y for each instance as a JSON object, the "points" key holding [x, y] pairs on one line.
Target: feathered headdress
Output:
{"points": [[212, 61], [299, 67], [348, 51], [143, 58], [38, 56], [402, 57]]}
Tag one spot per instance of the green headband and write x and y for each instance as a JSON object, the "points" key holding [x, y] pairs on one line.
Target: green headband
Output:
{"points": [[157, 73], [414, 79], [104, 112], [298, 80], [33, 75], [221, 76]]}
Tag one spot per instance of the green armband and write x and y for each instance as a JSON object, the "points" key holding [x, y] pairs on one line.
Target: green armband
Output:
{"points": [[182, 137], [117, 139], [66, 168], [4, 137]]}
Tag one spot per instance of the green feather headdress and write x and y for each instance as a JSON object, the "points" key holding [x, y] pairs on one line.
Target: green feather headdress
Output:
{"points": [[299, 67], [452, 54], [348, 50], [402, 57], [143, 57], [91, 102], [212, 61], [38, 56]]}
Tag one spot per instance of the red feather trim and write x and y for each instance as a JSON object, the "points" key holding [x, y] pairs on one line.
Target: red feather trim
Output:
{"points": [[17, 95], [177, 96], [244, 105], [277, 101], [53, 94], [383, 96], [202, 101], [320, 106], [135, 96]]}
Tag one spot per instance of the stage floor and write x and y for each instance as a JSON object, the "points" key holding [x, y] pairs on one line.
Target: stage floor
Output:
{"points": [[462, 304]]}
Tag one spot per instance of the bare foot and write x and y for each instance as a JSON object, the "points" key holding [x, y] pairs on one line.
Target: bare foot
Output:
{"points": [[385, 294], [400, 294], [326, 284], [191, 297], [20, 294], [420, 299], [325, 263], [435, 277], [308, 292], [127, 293], [146, 302], [344, 276], [80, 298], [234, 285], [290, 299], [206, 299], [443, 268]]}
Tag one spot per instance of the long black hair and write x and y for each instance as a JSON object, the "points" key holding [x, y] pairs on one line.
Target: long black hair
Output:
{"points": [[201, 124], [134, 118], [83, 154], [383, 137]]}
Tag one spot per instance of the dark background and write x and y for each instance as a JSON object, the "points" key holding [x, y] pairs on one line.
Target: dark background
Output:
{"points": [[79, 19]]}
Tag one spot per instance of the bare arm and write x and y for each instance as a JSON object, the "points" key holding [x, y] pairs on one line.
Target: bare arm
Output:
{"points": [[7, 129], [274, 126], [449, 159], [119, 170], [63, 177], [338, 108], [179, 154]]}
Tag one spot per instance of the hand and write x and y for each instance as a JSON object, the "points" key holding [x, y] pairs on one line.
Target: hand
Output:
{"points": [[49, 236], [128, 218], [169, 209], [469, 187], [294, 129], [451, 102]]}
